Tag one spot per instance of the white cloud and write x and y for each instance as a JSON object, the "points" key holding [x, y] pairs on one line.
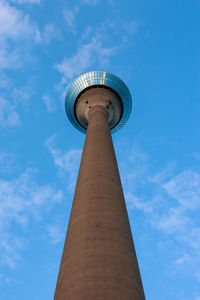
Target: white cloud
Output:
{"points": [[55, 233], [133, 201], [126, 27], [89, 2], [22, 95], [8, 114], [183, 259], [49, 33], [67, 163], [69, 16], [26, 1], [21, 200], [133, 169], [96, 46], [10, 248], [192, 238], [50, 104], [9, 58], [185, 188], [164, 175], [7, 162], [4, 81], [198, 298], [196, 155], [182, 192], [178, 218], [173, 221], [171, 202], [15, 25], [89, 54]]}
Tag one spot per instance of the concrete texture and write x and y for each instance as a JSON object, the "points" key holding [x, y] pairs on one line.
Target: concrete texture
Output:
{"points": [[99, 96], [99, 260]]}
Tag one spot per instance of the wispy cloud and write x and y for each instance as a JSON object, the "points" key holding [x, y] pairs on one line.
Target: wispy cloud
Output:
{"points": [[15, 26], [134, 167], [185, 188], [22, 95], [172, 221], [49, 33], [26, 1], [196, 298], [8, 114], [135, 202], [4, 81], [55, 232], [9, 58], [96, 47], [182, 260], [7, 163], [170, 200], [66, 162], [50, 104], [93, 52], [9, 109], [70, 16], [196, 155], [21, 200], [89, 2]]}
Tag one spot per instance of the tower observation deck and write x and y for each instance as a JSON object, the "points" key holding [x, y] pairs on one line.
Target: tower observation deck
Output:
{"points": [[99, 260]]}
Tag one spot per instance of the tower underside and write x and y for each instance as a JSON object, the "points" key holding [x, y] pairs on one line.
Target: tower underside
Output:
{"points": [[99, 260]]}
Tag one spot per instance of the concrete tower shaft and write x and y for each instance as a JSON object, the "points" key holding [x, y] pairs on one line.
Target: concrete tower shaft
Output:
{"points": [[99, 260]]}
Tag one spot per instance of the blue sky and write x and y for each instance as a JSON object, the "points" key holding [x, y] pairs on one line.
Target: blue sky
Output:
{"points": [[154, 47]]}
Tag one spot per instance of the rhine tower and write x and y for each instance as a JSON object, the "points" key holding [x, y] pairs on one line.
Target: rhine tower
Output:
{"points": [[99, 260]]}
